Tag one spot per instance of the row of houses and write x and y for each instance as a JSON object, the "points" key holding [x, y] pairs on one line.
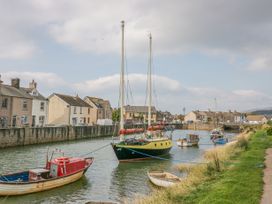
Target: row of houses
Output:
{"points": [[20, 106], [224, 117]]}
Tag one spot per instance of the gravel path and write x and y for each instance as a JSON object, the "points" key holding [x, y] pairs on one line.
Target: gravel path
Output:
{"points": [[267, 195]]}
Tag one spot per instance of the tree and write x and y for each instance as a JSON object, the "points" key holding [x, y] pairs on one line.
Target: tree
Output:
{"points": [[116, 115]]}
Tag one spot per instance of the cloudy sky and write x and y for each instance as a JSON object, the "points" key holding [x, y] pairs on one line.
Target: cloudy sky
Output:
{"points": [[202, 50]]}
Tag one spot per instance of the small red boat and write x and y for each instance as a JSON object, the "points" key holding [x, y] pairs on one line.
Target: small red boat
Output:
{"points": [[58, 172]]}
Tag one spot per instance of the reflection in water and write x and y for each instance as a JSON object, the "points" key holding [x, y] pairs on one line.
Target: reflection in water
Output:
{"points": [[106, 179], [129, 179]]}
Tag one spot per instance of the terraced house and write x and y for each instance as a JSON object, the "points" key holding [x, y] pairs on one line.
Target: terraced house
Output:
{"points": [[68, 110], [39, 105], [139, 114], [101, 109], [15, 105]]}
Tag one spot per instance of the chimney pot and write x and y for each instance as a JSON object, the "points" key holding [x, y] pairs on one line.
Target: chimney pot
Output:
{"points": [[15, 83], [33, 85]]}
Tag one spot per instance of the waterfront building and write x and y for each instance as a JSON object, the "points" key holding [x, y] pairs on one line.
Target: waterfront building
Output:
{"points": [[68, 110], [39, 105], [165, 116], [199, 116], [215, 117], [101, 113], [139, 114], [15, 105], [256, 119]]}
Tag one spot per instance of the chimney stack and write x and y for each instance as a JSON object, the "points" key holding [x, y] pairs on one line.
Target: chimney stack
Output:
{"points": [[15, 83], [33, 85]]}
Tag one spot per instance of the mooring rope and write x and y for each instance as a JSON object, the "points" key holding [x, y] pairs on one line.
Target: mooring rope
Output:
{"points": [[96, 150], [161, 158]]}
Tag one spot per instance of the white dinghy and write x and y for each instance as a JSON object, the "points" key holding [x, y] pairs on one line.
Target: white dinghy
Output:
{"points": [[163, 178]]}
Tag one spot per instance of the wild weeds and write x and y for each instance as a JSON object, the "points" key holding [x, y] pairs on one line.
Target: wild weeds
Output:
{"points": [[214, 163]]}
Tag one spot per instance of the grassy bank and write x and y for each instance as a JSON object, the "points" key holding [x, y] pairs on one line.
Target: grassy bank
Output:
{"points": [[233, 174]]}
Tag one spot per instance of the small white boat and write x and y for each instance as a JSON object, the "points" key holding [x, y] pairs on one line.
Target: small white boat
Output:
{"points": [[216, 133], [189, 141], [163, 178]]}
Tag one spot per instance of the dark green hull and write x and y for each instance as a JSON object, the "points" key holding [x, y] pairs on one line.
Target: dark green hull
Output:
{"points": [[130, 154]]}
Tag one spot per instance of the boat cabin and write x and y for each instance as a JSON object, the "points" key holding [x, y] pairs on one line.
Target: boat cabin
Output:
{"points": [[38, 174], [63, 166]]}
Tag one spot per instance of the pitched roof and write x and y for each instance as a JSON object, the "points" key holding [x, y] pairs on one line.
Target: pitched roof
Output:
{"points": [[139, 109], [73, 100], [255, 117], [99, 102], [8, 90], [37, 94]]}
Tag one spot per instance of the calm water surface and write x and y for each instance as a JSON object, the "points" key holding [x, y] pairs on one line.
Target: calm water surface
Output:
{"points": [[106, 179]]}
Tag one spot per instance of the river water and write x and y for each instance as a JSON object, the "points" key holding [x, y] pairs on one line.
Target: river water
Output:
{"points": [[106, 179]]}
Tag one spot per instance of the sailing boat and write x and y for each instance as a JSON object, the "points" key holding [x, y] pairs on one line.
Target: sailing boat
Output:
{"points": [[152, 143]]}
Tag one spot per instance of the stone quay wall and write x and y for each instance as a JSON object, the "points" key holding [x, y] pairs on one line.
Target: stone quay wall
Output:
{"points": [[12, 137]]}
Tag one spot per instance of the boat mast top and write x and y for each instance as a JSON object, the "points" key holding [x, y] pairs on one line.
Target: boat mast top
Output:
{"points": [[122, 81], [149, 80]]}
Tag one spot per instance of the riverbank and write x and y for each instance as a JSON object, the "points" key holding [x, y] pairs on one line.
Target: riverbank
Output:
{"points": [[233, 174]]}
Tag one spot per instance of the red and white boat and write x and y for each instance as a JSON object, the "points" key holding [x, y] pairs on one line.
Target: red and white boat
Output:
{"points": [[58, 172]]}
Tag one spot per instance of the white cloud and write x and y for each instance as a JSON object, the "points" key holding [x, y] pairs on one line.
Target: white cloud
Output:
{"points": [[170, 94], [261, 63], [46, 79], [136, 81], [228, 28], [248, 93]]}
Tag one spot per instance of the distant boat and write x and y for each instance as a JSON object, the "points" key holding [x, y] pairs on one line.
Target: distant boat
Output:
{"points": [[58, 172], [189, 141], [218, 137], [216, 133], [220, 140], [163, 178]]}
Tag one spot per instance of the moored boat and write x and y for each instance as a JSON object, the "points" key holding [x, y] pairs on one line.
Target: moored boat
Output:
{"points": [[138, 149], [57, 172], [152, 143], [220, 140], [163, 178], [189, 141], [215, 133]]}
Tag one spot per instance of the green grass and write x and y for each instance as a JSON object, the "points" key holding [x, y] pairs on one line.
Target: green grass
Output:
{"points": [[240, 183]]}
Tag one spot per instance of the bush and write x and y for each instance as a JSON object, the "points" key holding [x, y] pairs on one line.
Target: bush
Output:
{"points": [[269, 131]]}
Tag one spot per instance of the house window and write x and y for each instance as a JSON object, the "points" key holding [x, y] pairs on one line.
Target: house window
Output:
{"points": [[5, 103], [24, 105], [80, 110], [88, 120], [74, 121], [3, 122], [88, 110], [42, 106], [24, 120], [41, 120], [74, 110]]}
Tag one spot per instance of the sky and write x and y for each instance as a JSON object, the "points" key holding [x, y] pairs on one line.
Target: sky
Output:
{"points": [[212, 54]]}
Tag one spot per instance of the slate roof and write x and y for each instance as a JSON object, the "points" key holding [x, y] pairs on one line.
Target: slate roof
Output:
{"points": [[139, 109], [8, 90], [73, 100], [99, 102], [38, 96]]}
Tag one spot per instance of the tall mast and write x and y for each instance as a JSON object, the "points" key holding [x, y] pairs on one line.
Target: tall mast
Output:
{"points": [[122, 81], [149, 81]]}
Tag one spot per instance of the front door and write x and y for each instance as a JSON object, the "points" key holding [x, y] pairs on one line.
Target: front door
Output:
{"points": [[33, 120], [14, 121]]}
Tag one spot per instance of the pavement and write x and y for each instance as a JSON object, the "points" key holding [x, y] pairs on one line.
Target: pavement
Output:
{"points": [[267, 194]]}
